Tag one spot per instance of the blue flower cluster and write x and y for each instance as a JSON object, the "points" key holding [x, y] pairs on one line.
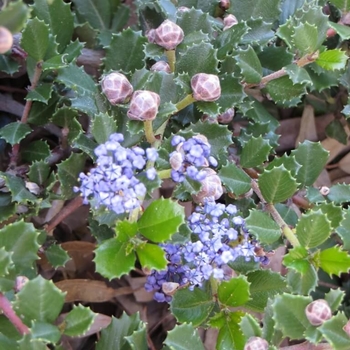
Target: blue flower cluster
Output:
{"points": [[112, 184], [221, 237], [190, 155]]}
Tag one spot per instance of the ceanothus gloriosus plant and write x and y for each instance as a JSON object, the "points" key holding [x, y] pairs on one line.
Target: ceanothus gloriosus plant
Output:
{"points": [[187, 95]]}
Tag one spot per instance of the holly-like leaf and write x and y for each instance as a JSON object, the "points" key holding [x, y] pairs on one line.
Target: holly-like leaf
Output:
{"points": [[297, 259], [250, 65], [289, 314], [343, 230], [125, 52], [103, 126], [87, 145], [54, 14], [332, 59], [8, 65], [298, 75], [39, 300], [264, 284], [255, 152], [303, 283], [262, 227], [339, 193], [194, 20], [259, 33], [313, 229], [35, 39], [161, 219], [14, 15], [234, 292], [152, 257], [78, 321], [13, 133], [36, 151], [68, 172], [235, 179], [41, 93], [334, 298], [305, 38], [192, 306], [334, 261], [277, 184], [115, 335], [5, 261], [45, 332], [312, 157], [39, 172], [269, 331], [56, 255], [335, 130], [333, 212], [183, 337], [67, 119], [342, 30], [250, 326]]}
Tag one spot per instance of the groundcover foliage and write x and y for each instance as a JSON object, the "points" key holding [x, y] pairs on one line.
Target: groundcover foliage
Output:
{"points": [[157, 124]]}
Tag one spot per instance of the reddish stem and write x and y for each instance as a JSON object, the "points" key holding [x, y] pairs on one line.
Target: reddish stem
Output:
{"points": [[6, 307], [308, 346]]}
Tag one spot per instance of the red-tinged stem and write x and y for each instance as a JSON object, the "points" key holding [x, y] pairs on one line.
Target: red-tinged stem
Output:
{"points": [[6, 308], [308, 346]]}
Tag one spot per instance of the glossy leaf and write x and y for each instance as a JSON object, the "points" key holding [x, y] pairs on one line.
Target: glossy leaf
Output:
{"points": [[194, 20], [151, 257], [303, 283], [297, 259], [56, 255], [5, 261], [234, 292], [313, 229], [334, 298], [13, 133], [262, 227], [305, 38], [78, 321], [255, 152], [332, 59], [14, 16], [333, 212], [250, 65], [234, 179], [342, 30], [39, 172], [250, 326], [343, 230], [36, 151], [334, 261], [184, 337], [45, 332], [41, 93], [339, 193], [161, 220], [67, 119], [277, 184], [103, 126]]}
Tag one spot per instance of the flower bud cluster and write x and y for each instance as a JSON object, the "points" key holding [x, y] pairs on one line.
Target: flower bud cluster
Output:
{"points": [[112, 184], [221, 238]]}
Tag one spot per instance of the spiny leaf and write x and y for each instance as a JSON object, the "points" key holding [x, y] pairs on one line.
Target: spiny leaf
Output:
{"points": [[103, 125], [255, 151], [339, 193], [305, 38], [234, 292], [332, 59], [184, 337], [303, 283], [235, 179], [343, 230], [194, 20], [152, 257], [13, 133], [78, 321], [250, 65], [334, 261], [14, 16]]}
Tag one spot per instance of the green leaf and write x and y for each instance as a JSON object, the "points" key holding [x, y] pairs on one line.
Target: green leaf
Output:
{"points": [[234, 292], [344, 230], [78, 321], [250, 65], [27, 343], [125, 52], [334, 261], [39, 300], [259, 33], [305, 38], [14, 16], [334, 298], [5, 261], [250, 326], [332, 59], [194, 20], [56, 255], [277, 184], [36, 151], [335, 130], [41, 93], [264, 284], [255, 152], [192, 306], [184, 337], [312, 157], [342, 30], [67, 119], [8, 65], [287, 161], [235, 179], [112, 260], [262, 227], [333, 212], [39, 172], [103, 125], [40, 113], [297, 259], [198, 58], [18, 189], [289, 314], [68, 172], [151, 256], [115, 335], [35, 39], [138, 339], [161, 219], [85, 144], [339, 193], [342, 5], [13, 133], [334, 333], [46, 332], [313, 229], [57, 14], [269, 331], [303, 283], [298, 75]]}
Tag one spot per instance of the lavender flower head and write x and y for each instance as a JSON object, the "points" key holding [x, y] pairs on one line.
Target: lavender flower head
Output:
{"points": [[220, 238], [112, 183]]}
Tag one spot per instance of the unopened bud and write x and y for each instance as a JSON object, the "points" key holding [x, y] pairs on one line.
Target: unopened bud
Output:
{"points": [[169, 288], [151, 36], [224, 4], [117, 88], [6, 40], [206, 87], [211, 187], [324, 190], [183, 9], [144, 105], [318, 312], [169, 35], [229, 21], [161, 66], [256, 343], [346, 328], [227, 116], [176, 160]]}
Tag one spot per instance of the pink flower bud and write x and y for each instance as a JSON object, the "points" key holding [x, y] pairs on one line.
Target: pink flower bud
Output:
{"points": [[206, 87], [211, 187], [144, 105], [183, 9], [229, 21], [6, 40], [151, 35], [256, 343], [169, 35], [318, 312], [161, 66], [224, 4], [227, 116], [176, 160], [117, 88], [346, 328]]}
